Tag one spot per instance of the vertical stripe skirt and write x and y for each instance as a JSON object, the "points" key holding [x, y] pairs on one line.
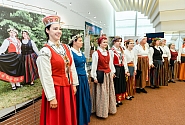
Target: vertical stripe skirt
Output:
{"points": [[143, 66], [131, 82], [165, 72], [103, 97]]}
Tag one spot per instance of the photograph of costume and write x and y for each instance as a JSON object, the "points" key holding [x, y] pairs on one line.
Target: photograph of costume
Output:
{"points": [[11, 61], [29, 52]]}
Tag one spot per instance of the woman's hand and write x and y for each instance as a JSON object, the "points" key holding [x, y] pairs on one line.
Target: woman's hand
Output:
{"points": [[53, 103], [128, 74], [135, 72], [74, 89], [96, 81], [113, 75]]}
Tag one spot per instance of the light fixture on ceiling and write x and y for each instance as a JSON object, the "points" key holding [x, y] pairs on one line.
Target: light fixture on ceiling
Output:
{"points": [[70, 3], [94, 17], [100, 21], [103, 24], [89, 13]]}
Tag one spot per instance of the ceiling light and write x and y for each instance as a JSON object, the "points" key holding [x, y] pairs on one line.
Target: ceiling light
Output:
{"points": [[89, 13], [70, 4], [103, 24], [100, 21], [94, 17]]}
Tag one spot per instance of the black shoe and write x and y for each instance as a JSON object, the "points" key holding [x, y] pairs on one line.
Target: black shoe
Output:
{"points": [[14, 88], [117, 105], [156, 86], [153, 87], [120, 103], [131, 96], [169, 81], [173, 81], [19, 86], [128, 98], [138, 90], [143, 90]]}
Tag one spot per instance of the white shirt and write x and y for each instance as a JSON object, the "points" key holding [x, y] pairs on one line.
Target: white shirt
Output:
{"points": [[181, 51], [79, 53], [130, 57], [45, 71], [139, 51], [124, 60], [95, 62], [6, 43], [152, 52], [166, 52], [35, 49]]}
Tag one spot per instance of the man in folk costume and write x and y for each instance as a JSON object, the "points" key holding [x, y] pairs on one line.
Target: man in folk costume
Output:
{"points": [[10, 60]]}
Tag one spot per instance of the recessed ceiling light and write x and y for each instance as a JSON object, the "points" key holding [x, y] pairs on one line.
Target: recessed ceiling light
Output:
{"points": [[89, 13], [103, 24], [70, 4], [94, 17], [100, 21]]}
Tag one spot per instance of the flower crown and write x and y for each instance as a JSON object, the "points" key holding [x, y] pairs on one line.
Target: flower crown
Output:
{"points": [[74, 38]]}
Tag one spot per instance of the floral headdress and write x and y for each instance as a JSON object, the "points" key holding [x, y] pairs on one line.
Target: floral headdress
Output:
{"points": [[74, 38]]}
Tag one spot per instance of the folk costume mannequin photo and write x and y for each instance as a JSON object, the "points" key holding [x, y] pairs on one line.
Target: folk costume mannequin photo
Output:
{"points": [[83, 97], [141, 51], [103, 93], [58, 77], [121, 67], [29, 52], [11, 60]]}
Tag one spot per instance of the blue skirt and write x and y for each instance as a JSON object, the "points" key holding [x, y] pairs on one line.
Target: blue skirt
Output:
{"points": [[83, 100]]}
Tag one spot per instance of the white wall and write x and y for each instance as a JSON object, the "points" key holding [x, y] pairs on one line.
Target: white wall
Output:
{"points": [[99, 8]]}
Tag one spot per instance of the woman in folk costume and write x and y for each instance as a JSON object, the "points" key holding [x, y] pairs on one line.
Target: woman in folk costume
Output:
{"points": [[103, 93], [83, 98], [181, 59], [11, 63], [166, 58], [58, 77], [173, 63], [141, 51], [29, 51], [132, 67], [120, 65], [156, 64]]}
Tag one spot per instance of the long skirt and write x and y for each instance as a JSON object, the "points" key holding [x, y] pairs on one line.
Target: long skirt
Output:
{"points": [[174, 70], [120, 84], [143, 66], [181, 71], [156, 73], [131, 82], [83, 100], [30, 68], [165, 72], [103, 97], [11, 65], [65, 113]]}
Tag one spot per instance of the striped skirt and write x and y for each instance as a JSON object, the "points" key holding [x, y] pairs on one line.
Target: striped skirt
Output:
{"points": [[165, 70], [103, 97], [143, 66], [131, 81]]}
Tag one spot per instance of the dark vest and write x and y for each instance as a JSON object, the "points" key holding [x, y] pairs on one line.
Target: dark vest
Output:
{"points": [[157, 54]]}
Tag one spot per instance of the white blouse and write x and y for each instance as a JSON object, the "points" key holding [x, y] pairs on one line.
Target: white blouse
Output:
{"points": [[181, 51], [6, 43], [130, 57], [35, 49], [45, 71], [124, 60], [166, 52], [79, 53], [95, 62], [151, 54]]}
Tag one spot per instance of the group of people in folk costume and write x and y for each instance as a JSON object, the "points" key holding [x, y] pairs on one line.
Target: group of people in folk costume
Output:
{"points": [[116, 73]]}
